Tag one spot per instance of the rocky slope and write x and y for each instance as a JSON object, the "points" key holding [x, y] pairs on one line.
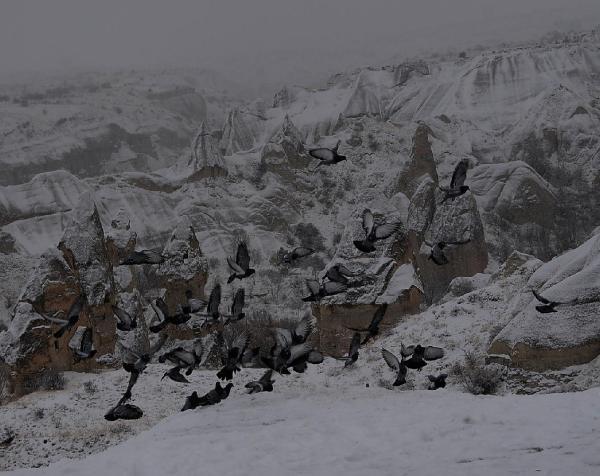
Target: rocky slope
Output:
{"points": [[525, 118]]}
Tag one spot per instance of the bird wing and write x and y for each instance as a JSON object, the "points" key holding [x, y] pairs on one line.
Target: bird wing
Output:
{"points": [[158, 345], [378, 316], [367, 221], [76, 307], [238, 303], [390, 359], [322, 153], [215, 299], [433, 353], [128, 355], [297, 351], [151, 256], [305, 327], [313, 286], [432, 378], [460, 174], [240, 342], [315, 357], [283, 337], [406, 351], [122, 315], [234, 266], [354, 344], [386, 230], [333, 287], [540, 298], [87, 341], [56, 320], [243, 257]]}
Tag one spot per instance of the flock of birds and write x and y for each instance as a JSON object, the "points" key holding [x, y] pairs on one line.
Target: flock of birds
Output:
{"points": [[291, 350]]}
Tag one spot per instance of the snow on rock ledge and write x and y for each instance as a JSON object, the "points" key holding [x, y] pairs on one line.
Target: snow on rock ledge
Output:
{"points": [[569, 336]]}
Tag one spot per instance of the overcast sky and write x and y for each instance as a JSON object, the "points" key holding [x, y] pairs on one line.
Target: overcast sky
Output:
{"points": [[263, 39]]}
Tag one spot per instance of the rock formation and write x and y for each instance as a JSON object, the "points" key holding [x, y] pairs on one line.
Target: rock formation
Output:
{"points": [[236, 134], [206, 159]]}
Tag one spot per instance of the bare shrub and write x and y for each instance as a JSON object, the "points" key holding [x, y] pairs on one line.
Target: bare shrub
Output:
{"points": [[4, 383], [90, 387], [48, 379], [476, 377], [38, 413]]}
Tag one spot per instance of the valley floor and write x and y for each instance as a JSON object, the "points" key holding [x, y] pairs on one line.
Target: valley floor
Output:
{"points": [[325, 422]]}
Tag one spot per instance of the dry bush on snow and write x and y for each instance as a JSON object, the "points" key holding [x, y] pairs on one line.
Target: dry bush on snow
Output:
{"points": [[48, 379], [476, 377]]}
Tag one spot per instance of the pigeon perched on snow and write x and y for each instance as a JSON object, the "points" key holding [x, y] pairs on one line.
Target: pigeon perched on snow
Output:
{"points": [[301, 355], [124, 411], [264, 384], [340, 274], [457, 186], [241, 265], [318, 292], [235, 351], [72, 317], [547, 305], [373, 328], [161, 308], [144, 257], [396, 365], [374, 233], [237, 307], [6, 438], [300, 252], [437, 254], [211, 398], [327, 156], [437, 382], [125, 322], [353, 350]]}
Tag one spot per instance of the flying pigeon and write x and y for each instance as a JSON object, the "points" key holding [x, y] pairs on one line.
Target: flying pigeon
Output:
{"points": [[124, 411], [85, 349], [161, 308], [175, 375], [353, 350], [297, 335], [457, 186], [318, 292], [327, 156], [264, 384], [437, 382], [237, 307], [144, 257], [416, 362], [300, 252], [396, 365], [235, 351], [373, 328], [125, 322], [184, 358], [193, 304], [547, 305], [72, 317], [437, 254], [241, 265], [374, 233]]}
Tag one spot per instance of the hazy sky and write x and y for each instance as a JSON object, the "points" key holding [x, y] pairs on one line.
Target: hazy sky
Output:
{"points": [[263, 40]]}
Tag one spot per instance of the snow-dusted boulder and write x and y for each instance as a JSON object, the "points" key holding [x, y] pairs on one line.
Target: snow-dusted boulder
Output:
{"points": [[285, 147], [386, 276], [206, 159], [421, 162], [569, 336]]}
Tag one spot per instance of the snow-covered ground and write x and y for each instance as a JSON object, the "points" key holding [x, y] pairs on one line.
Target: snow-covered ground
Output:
{"points": [[307, 426]]}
